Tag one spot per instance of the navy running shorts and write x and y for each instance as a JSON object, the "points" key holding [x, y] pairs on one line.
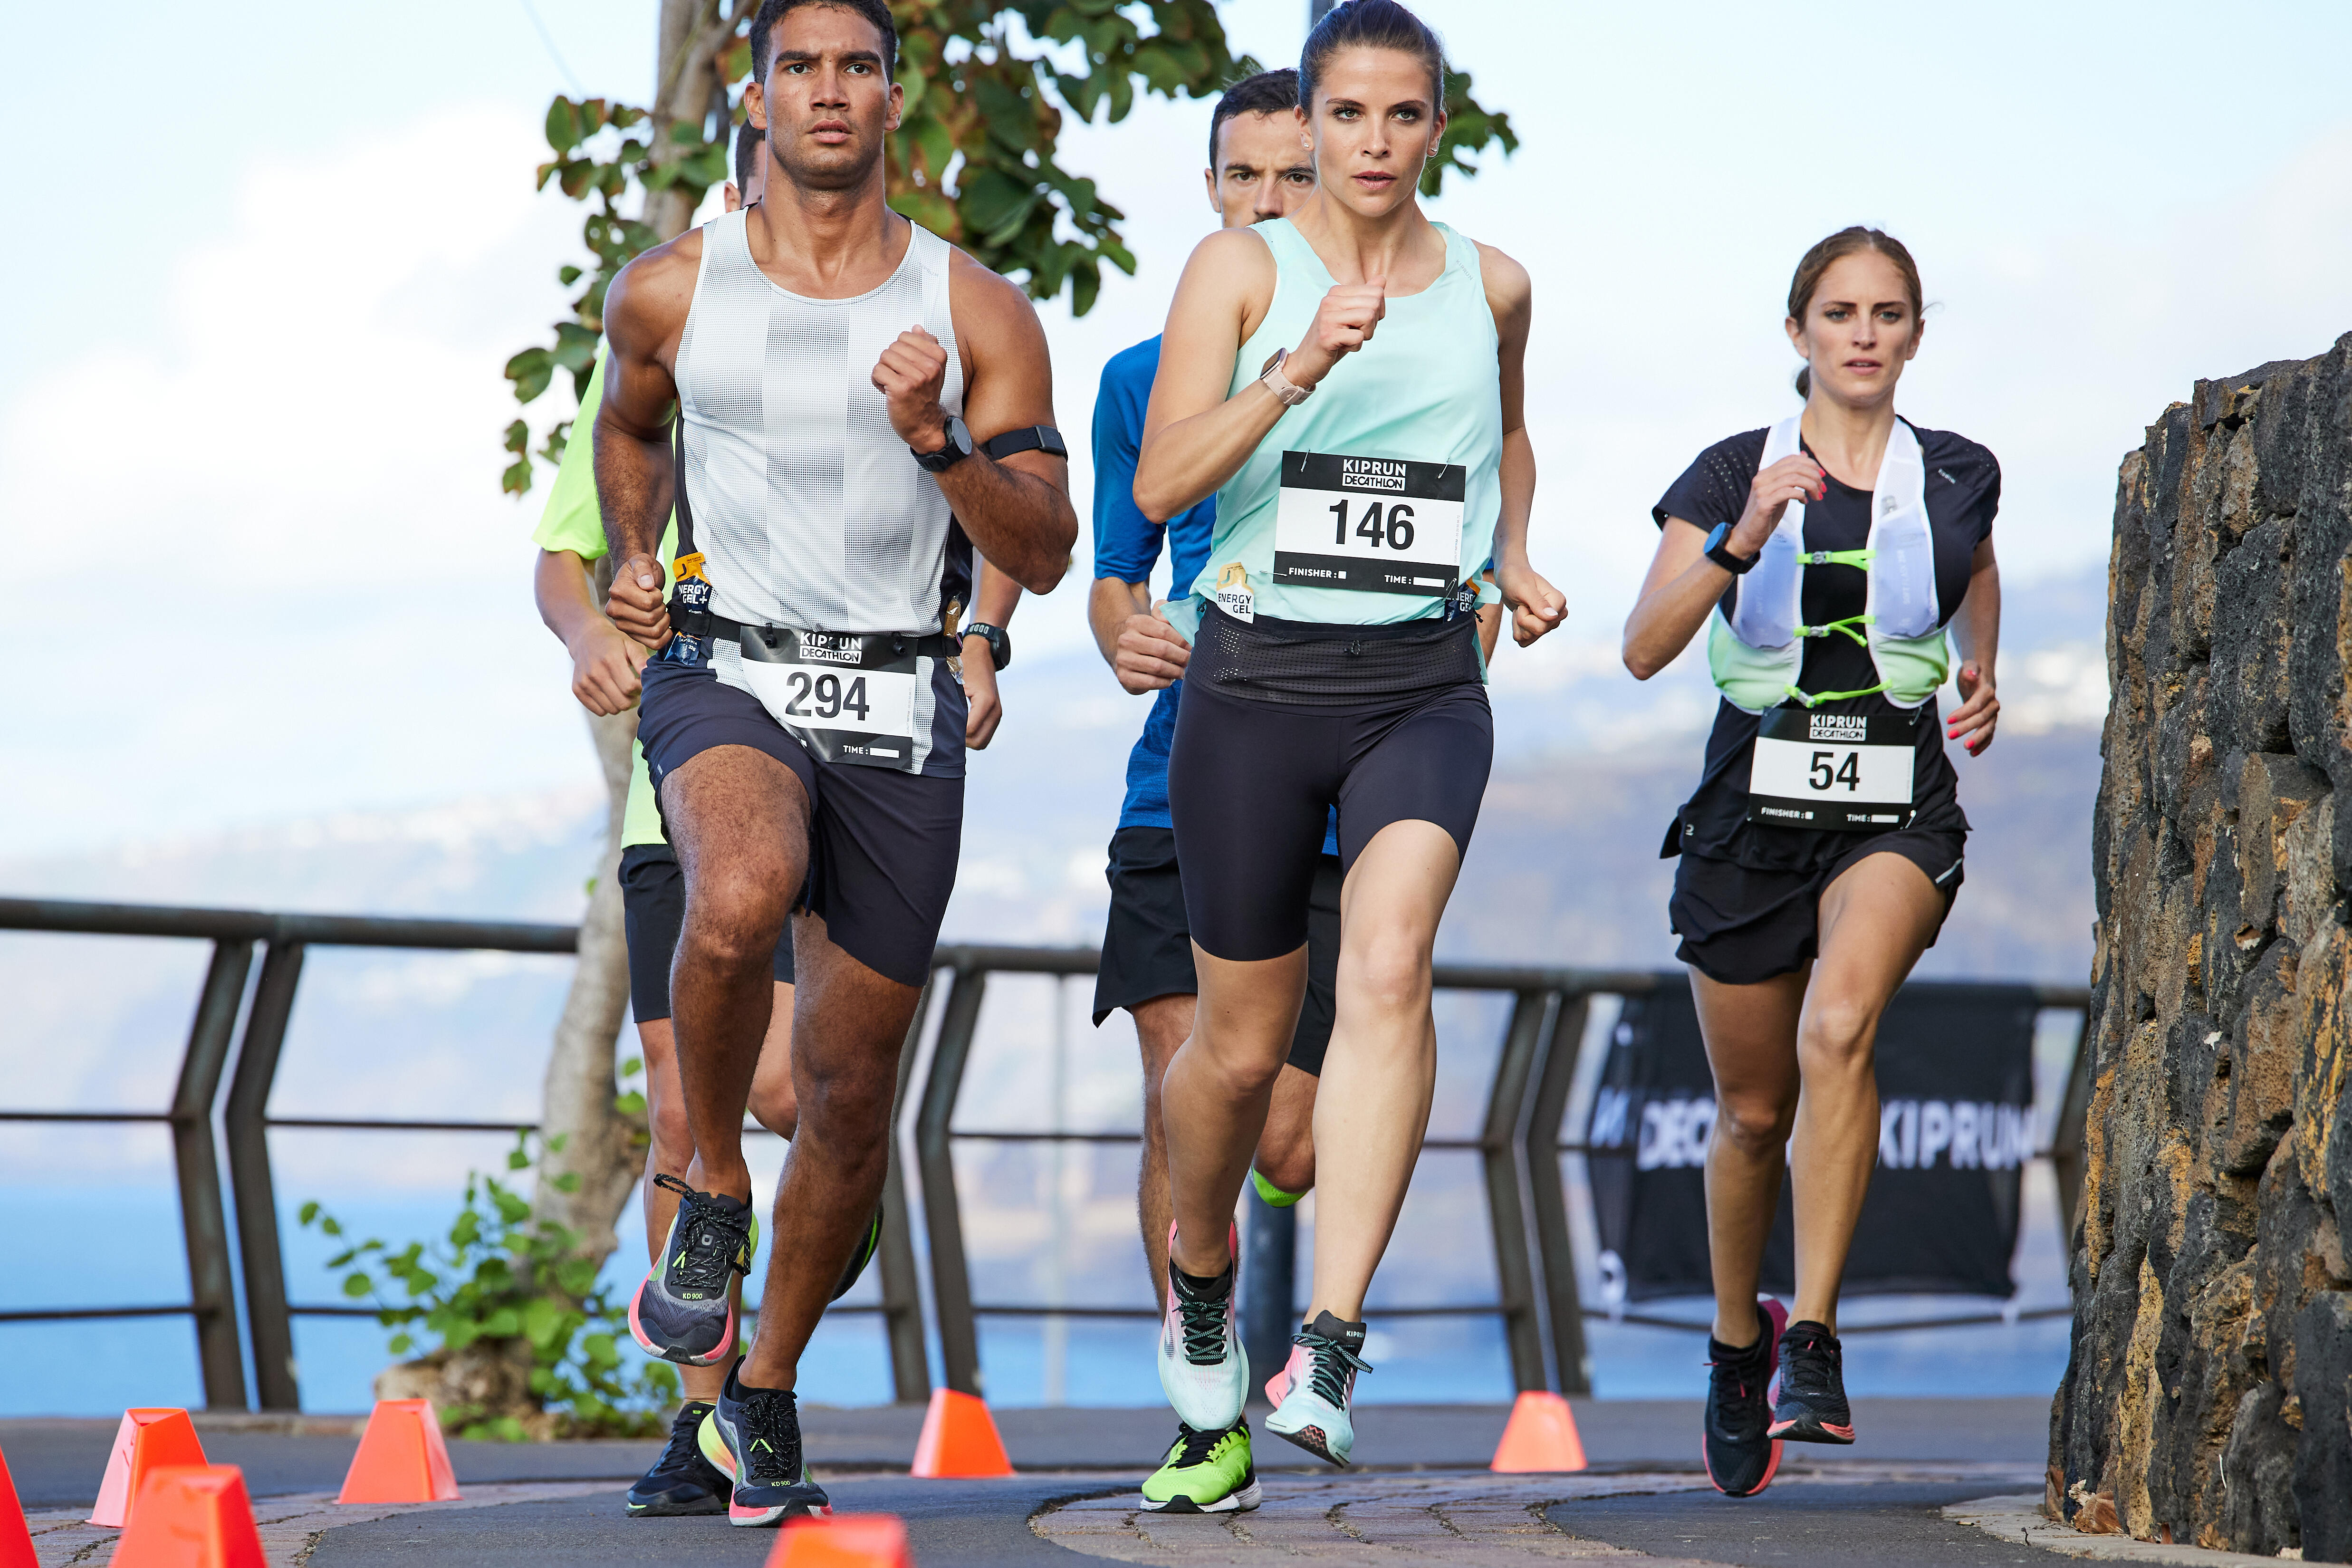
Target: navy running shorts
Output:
{"points": [[1251, 782], [882, 844], [1741, 927], [653, 909], [1148, 943]]}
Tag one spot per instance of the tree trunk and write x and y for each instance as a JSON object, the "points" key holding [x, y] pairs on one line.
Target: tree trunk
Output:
{"points": [[686, 89], [600, 1146]]}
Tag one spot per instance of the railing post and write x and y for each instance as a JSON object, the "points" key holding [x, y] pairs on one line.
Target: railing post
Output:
{"points": [[2067, 1139], [934, 1156], [902, 1295], [203, 1221], [1498, 1151], [245, 1122], [1269, 1285], [1547, 1193]]}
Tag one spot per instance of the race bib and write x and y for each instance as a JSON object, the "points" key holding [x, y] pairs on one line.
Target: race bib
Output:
{"points": [[1845, 772], [1381, 524], [847, 698]]}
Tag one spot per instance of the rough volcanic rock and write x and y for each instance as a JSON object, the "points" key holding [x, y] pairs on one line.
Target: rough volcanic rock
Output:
{"points": [[2208, 1396]]}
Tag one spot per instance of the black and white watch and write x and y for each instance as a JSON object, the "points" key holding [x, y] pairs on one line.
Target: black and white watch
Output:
{"points": [[1719, 552], [999, 641], [958, 448]]}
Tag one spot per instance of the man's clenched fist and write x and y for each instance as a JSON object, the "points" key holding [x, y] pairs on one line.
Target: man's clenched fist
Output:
{"points": [[636, 603], [912, 372]]}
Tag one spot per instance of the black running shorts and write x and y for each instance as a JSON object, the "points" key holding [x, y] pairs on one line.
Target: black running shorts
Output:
{"points": [[882, 844], [1741, 927], [653, 908], [1148, 943], [1251, 781]]}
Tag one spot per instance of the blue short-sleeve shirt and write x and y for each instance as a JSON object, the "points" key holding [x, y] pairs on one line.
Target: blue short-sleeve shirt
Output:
{"points": [[1128, 546]]}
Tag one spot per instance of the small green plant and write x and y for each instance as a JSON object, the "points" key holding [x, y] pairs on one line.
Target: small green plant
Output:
{"points": [[500, 1279]]}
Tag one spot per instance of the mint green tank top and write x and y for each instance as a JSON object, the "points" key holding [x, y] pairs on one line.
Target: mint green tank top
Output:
{"points": [[1362, 483]]}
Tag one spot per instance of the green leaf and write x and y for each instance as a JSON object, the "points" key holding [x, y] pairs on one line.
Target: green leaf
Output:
{"points": [[401, 1344], [518, 1161], [632, 1065], [542, 1319], [503, 1324], [531, 371], [562, 126], [357, 1284], [555, 1145], [512, 1209], [567, 275], [467, 1230], [567, 1182], [631, 1104], [309, 1212]]}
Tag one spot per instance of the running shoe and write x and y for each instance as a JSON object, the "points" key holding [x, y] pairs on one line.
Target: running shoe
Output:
{"points": [[1742, 1453], [868, 1246], [685, 1310], [1205, 1472], [1812, 1407], [681, 1481], [754, 1436], [1312, 1408], [1203, 1367]]}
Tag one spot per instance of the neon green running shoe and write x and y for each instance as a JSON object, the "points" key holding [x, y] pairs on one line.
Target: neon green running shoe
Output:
{"points": [[1205, 1472]]}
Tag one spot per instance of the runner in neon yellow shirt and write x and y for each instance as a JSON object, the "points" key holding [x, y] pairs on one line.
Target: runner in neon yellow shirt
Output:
{"points": [[606, 668]]}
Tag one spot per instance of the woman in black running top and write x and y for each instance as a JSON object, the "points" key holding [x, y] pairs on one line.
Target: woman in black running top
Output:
{"points": [[1826, 557]]}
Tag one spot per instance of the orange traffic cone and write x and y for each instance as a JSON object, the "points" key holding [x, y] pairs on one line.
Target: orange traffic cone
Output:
{"points": [[843, 1541], [146, 1440], [1541, 1437], [16, 1534], [402, 1457], [190, 1516], [959, 1440]]}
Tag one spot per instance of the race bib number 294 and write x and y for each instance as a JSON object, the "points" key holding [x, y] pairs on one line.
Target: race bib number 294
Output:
{"points": [[1385, 525]]}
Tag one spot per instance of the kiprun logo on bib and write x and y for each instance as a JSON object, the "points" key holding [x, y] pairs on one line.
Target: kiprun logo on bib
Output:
{"points": [[833, 647], [1372, 474], [1850, 728]]}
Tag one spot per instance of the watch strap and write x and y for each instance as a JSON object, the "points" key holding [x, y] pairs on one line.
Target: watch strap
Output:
{"points": [[1718, 550], [1289, 394]]}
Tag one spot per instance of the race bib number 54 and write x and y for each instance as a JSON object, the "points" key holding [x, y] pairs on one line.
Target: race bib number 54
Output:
{"points": [[1379, 524], [1846, 771], [847, 698]]}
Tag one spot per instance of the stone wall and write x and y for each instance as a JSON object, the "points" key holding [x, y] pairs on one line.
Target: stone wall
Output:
{"points": [[2210, 1384]]}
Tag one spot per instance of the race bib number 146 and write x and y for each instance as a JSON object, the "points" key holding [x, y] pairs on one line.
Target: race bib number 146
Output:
{"points": [[1379, 524]]}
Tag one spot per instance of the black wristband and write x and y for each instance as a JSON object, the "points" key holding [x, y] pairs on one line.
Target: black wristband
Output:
{"points": [[1718, 550]]}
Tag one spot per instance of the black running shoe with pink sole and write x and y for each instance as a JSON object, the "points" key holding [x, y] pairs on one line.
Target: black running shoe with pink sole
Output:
{"points": [[1810, 1406], [1742, 1453]]}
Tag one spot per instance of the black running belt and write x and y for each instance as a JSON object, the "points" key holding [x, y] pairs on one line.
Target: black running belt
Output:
{"points": [[1332, 666], [928, 644]]}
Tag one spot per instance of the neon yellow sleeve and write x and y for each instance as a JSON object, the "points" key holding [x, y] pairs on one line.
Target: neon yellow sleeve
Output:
{"points": [[571, 520]]}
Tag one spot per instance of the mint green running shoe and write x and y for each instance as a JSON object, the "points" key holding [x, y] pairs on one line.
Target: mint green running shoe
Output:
{"points": [[1205, 1472]]}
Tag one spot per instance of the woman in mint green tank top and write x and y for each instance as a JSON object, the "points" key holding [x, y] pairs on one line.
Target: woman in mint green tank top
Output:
{"points": [[1348, 383]]}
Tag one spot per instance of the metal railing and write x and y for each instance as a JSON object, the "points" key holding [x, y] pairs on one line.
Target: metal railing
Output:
{"points": [[1519, 1143]]}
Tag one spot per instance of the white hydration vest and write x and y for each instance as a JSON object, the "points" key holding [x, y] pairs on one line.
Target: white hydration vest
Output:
{"points": [[1757, 652]]}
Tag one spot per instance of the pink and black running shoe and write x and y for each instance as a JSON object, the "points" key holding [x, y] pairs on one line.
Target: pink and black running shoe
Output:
{"points": [[1741, 1452], [1812, 1407]]}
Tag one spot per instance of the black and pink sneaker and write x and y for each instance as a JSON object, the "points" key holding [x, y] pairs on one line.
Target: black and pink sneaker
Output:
{"points": [[1810, 1406], [1741, 1453]]}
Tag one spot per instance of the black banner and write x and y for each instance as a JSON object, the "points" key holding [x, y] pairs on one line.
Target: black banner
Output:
{"points": [[1956, 1125]]}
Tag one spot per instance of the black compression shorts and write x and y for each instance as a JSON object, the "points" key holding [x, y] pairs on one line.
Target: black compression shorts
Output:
{"points": [[653, 910], [883, 845], [1251, 780], [1742, 927], [1148, 943]]}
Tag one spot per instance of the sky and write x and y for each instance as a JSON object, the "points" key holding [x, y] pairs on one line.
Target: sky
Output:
{"points": [[250, 411]]}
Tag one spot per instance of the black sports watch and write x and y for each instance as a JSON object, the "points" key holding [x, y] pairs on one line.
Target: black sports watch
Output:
{"points": [[999, 641], [958, 448], [1720, 553]]}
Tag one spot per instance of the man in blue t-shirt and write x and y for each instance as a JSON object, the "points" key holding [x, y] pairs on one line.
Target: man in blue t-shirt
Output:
{"points": [[1260, 168]]}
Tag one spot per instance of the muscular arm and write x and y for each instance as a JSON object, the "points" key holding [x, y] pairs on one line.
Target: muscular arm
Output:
{"points": [[604, 663], [1018, 510], [644, 313], [1535, 606], [1195, 438]]}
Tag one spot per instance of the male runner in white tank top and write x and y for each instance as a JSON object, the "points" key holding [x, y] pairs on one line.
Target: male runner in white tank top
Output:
{"points": [[804, 737]]}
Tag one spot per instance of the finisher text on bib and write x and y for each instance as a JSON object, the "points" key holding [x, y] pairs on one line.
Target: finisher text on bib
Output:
{"points": [[847, 698], [1382, 524], [1844, 772]]}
